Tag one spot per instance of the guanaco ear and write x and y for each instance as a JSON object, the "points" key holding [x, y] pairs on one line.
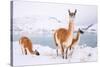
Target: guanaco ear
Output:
{"points": [[81, 31], [69, 11], [75, 11]]}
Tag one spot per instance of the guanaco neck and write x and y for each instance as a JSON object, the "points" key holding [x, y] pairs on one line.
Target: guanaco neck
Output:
{"points": [[77, 36], [71, 26], [75, 39]]}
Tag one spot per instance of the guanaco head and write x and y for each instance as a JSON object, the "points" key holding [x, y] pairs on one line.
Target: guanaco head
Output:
{"points": [[72, 14], [36, 52], [80, 31]]}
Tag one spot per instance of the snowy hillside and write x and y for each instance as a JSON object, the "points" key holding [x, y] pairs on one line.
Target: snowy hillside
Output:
{"points": [[42, 25], [36, 25], [93, 28]]}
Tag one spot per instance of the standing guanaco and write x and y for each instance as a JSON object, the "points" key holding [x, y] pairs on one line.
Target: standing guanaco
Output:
{"points": [[75, 40], [63, 37]]}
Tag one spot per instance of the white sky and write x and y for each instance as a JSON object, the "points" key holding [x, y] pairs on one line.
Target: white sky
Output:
{"points": [[86, 14]]}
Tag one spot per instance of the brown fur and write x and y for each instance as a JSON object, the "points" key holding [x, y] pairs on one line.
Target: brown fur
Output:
{"points": [[75, 40], [26, 45], [63, 37]]}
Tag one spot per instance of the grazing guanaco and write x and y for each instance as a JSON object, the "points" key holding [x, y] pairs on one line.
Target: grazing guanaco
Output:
{"points": [[63, 37], [26, 45]]}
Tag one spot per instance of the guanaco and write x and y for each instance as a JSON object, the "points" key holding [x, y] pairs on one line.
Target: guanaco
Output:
{"points": [[75, 40], [63, 37], [26, 45]]}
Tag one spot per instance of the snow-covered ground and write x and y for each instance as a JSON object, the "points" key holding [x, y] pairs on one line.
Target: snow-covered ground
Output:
{"points": [[48, 55], [32, 18]]}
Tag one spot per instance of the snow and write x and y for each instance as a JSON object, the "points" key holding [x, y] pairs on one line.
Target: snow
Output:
{"points": [[32, 25], [32, 19], [48, 55]]}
